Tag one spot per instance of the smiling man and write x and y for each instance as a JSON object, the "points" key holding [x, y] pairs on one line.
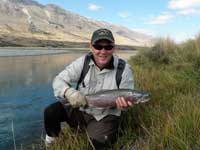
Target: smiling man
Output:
{"points": [[99, 70]]}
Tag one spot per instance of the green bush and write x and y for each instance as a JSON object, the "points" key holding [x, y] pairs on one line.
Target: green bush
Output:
{"points": [[162, 51]]}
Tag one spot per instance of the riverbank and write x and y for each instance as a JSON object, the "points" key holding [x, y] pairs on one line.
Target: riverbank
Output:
{"points": [[82, 47], [21, 42], [42, 48], [32, 51]]}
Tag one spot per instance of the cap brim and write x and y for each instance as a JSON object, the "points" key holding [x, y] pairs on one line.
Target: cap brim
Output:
{"points": [[102, 38]]}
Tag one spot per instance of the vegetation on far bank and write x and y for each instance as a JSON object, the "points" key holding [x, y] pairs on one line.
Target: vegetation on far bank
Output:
{"points": [[171, 119]]}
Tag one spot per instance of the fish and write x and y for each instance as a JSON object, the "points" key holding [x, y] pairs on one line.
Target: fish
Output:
{"points": [[107, 98]]}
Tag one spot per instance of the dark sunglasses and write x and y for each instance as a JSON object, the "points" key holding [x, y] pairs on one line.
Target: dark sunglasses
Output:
{"points": [[100, 47]]}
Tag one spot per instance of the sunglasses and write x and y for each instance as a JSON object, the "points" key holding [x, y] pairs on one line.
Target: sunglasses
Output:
{"points": [[100, 47]]}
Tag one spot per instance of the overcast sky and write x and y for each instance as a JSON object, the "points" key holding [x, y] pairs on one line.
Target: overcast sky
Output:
{"points": [[178, 19]]}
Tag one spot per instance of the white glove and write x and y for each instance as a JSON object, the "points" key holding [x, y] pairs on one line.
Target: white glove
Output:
{"points": [[75, 98]]}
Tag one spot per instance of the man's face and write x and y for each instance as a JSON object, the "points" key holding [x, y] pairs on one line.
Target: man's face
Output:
{"points": [[102, 51]]}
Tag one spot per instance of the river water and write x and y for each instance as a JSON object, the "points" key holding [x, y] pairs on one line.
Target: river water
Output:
{"points": [[25, 90]]}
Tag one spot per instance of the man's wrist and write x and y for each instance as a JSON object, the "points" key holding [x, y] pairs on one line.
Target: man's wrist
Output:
{"points": [[65, 92]]}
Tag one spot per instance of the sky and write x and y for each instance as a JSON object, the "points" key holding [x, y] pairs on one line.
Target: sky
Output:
{"points": [[177, 19]]}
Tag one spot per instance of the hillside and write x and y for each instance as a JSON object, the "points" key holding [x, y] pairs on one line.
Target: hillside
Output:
{"points": [[26, 22]]}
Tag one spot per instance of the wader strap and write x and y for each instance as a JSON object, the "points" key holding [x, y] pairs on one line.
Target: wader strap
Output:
{"points": [[85, 69], [120, 69]]}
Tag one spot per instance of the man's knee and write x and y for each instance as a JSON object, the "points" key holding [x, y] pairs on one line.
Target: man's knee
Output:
{"points": [[48, 111], [104, 139], [51, 110]]}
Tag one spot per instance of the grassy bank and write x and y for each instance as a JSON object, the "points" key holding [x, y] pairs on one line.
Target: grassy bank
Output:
{"points": [[171, 73], [171, 120]]}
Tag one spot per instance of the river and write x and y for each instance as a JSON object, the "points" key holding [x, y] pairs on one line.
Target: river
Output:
{"points": [[26, 89]]}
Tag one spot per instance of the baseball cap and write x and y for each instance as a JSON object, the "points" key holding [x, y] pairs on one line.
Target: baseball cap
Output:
{"points": [[101, 34]]}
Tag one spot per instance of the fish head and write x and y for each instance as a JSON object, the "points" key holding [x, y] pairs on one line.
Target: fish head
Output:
{"points": [[140, 96]]}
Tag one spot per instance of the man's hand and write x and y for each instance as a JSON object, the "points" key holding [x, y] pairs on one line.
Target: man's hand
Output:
{"points": [[75, 98], [122, 103]]}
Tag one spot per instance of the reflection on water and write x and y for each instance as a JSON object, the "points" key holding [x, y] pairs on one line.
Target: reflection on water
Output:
{"points": [[25, 90], [27, 70]]}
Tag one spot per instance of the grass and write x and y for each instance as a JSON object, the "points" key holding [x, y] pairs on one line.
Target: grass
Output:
{"points": [[72, 140], [171, 73], [171, 120]]}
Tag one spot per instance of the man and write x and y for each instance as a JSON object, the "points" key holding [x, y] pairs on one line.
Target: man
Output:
{"points": [[101, 124]]}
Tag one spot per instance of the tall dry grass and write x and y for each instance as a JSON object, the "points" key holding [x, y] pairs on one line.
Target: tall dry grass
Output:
{"points": [[171, 73]]}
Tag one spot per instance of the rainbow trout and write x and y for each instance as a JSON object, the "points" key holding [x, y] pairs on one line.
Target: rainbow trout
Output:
{"points": [[107, 98]]}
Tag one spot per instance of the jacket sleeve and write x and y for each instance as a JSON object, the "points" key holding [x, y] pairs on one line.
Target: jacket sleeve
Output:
{"points": [[127, 78], [67, 77]]}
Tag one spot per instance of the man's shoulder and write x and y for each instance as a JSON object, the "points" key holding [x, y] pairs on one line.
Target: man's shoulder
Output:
{"points": [[118, 60], [123, 64]]}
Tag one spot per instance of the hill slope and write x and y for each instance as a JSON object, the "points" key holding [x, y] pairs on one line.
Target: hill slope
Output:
{"points": [[29, 19]]}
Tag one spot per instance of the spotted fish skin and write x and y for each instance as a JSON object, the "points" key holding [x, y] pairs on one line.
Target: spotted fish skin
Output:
{"points": [[107, 98]]}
